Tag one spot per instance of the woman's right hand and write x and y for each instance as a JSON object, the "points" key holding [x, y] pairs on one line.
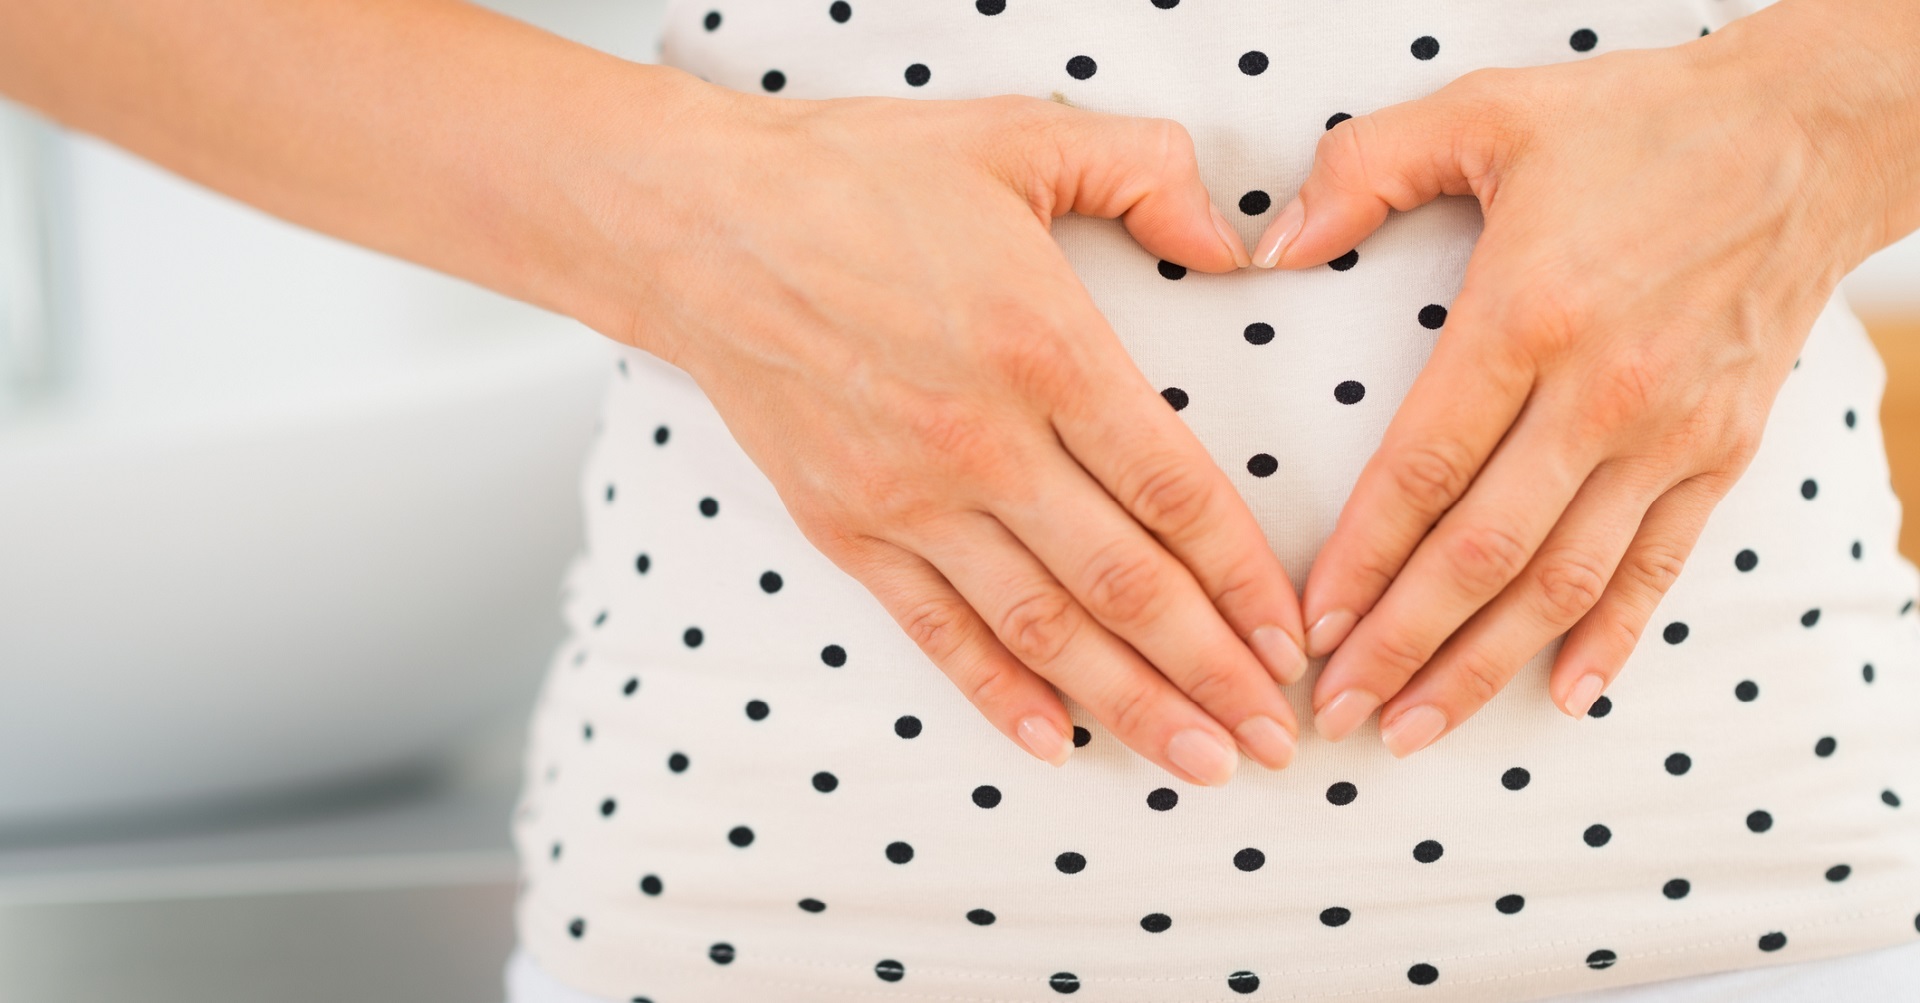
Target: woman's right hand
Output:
{"points": [[867, 291]]}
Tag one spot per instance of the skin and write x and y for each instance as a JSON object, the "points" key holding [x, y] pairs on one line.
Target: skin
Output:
{"points": [[979, 451]]}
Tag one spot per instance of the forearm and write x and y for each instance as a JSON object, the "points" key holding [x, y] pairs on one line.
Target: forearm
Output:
{"points": [[1847, 72], [432, 130]]}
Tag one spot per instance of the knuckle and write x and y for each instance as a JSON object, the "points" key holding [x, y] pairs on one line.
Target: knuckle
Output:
{"points": [[956, 433], [1550, 312], [1130, 710], [1214, 685], [1475, 678], [1398, 657], [1655, 565], [1169, 498], [1432, 473], [1485, 558], [938, 626], [993, 686], [1039, 627], [1570, 583], [1027, 355], [1123, 585]]}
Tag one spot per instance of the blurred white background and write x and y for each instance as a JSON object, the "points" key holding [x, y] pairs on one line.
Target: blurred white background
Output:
{"points": [[282, 528]]}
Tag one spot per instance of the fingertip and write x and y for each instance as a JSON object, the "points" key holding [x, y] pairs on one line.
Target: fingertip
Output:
{"points": [[1045, 739], [1283, 656], [1582, 694], [1229, 237], [1328, 631]]}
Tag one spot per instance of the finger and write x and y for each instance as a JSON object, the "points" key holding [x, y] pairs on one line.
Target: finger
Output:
{"points": [[1597, 647], [1011, 696], [1476, 549], [1122, 433], [1433, 447], [1134, 588], [1145, 172], [1400, 157], [1563, 581], [1041, 624]]}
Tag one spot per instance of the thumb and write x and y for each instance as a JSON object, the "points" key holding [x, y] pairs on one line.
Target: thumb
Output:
{"points": [[1400, 157], [1143, 171]]}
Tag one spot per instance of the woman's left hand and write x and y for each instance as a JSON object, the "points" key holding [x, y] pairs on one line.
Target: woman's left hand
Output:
{"points": [[1661, 231]]}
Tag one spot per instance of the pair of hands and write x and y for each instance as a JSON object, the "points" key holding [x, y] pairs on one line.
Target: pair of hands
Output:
{"points": [[982, 454]]}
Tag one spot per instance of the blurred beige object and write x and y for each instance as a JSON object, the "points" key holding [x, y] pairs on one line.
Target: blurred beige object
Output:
{"points": [[1898, 338]]}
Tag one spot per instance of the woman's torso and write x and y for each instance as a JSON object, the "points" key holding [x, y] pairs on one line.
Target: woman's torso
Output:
{"points": [[743, 791]]}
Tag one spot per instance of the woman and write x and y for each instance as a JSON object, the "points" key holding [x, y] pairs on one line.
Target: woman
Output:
{"points": [[886, 412]]}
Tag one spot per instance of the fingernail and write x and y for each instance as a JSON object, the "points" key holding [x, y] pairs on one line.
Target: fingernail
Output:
{"points": [[1043, 739], [1269, 744], [1200, 753], [1279, 654], [1583, 694], [1280, 233], [1228, 237], [1344, 713], [1413, 730], [1328, 631]]}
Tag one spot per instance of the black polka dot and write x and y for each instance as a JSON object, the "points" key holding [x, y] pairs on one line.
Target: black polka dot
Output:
{"points": [[757, 710], [600, 620], [770, 582], [1427, 851], [1070, 863], [1679, 763], [1255, 202], [1064, 982], [1253, 63], [1175, 397], [1081, 736], [899, 852], [1169, 270], [840, 10], [677, 762], [990, 7], [1890, 799], [1825, 746], [1166, 4], [1810, 617], [918, 75], [1597, 835], [1433, 316], [1342, 793], [1249, 859], [825, 782], [1345, 262], [1349, 392], [1746, 560], [642, 563], [1674, 633], [554, 854], [1773, 941], [1808, 488], [907, 726], [650, 884], [1156, 922], [1335, 916], [890, 970], [1262, 465], [1602, 958], [1856, 550], [1866, 672], [1850, 419], [1162, 798], [1423, 974], [773, 80], [608, 807], [1510, 904], [980, 917], [722, 954], [1677, 888], [1243, 982], [740, 835], [1336, 118], [709, 507], [1081, 67], [1584, 40], [1838, 872], [986, 796], [1601, 707], [1426, 47], [710, 22], [1759, 821], [1258, 333], [660, 436], [834, 655], [1516, 778], [609, 494], [692, 637], [813, 905], [1746, 691], [578, 928], [586, 732]]}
